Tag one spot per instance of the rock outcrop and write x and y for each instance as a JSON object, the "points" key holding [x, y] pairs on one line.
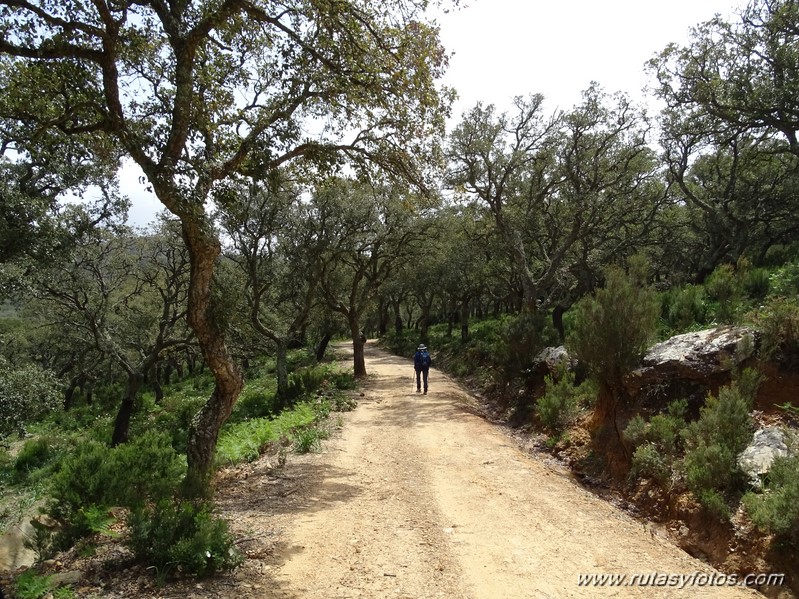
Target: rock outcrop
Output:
{"points": [[696, 356], [549, 360], [767, 444]]}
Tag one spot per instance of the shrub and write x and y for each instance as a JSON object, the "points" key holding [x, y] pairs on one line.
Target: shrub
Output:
{"points": [[723, 287], [784, 281], [649, 462], [635, 432], [613, 327], [777, 509], [178, 411], [778, 322], [307, 440], [30, 585], [344, 381], [522, 338], [777, 255], [657, 442], [146, 469], [756, 283], [26, 394], [254, 402], [184, 537], [685, 307], [713, 442], [35, 454], [562, 400], [244, 441], [663, 430], [714, 503]]}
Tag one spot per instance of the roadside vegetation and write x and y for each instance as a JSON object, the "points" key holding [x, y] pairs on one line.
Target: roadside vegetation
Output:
{"points": [[678, 451], [89, 492]]}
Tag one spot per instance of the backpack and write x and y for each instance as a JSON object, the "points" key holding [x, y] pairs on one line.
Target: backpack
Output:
{"points": [[422, 359]]}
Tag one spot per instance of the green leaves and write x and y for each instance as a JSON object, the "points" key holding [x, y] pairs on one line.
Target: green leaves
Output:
{"points": [[26, 393]]}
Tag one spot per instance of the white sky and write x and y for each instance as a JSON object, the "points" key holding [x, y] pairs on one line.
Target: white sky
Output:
{"points": [[505, 48]]}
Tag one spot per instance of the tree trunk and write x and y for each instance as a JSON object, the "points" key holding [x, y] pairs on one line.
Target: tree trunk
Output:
{"points": [[204, 248], [155, 380], [281, 371], [322, 346], [122, 422], [167, 373], [358, 343], [606, 432], [382, 325], [69, 394], [398, 324], [465, 321]]}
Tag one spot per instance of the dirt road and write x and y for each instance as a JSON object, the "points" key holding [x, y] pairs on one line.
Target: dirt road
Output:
{"points": [[418, 497]]}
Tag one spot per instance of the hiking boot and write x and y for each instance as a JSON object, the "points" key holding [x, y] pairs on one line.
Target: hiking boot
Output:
{"points": [[425, 391]]}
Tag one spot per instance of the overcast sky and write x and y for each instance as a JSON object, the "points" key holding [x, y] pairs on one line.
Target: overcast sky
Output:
{"points": [[505, 48]]}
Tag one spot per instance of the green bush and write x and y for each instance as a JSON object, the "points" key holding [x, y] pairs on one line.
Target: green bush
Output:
{"points": [[657, 443], [662, 430], [522, 338], [756, 283], [35, 454], [713, 442], [562, 400], [256, 401], [778, 323], [26, 394], [784, 281], [244, 441], [31, 585], [776, 510], [182, 537], [635, 432], [778, 255], [649, 462], [145, 469], [343, 380], [723, 287], [685, 307], [175, 416], [612, 328], [714, 503], [307, 440]]}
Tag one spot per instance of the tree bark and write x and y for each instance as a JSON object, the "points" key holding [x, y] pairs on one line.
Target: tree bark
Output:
{"points": [[156, 383], [122, 421], [358, 343], [69, 394], [204, 248], [606, 432], [322, 346]]}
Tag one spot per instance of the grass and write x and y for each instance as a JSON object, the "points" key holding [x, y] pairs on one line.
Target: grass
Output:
{"points": [[244, 441]]}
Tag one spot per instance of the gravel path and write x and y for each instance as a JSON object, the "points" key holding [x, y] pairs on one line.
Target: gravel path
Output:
{"points": [[418, 497]]}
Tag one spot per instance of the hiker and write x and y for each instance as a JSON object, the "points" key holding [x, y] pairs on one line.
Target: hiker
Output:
{"points": [[421, 364]]}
